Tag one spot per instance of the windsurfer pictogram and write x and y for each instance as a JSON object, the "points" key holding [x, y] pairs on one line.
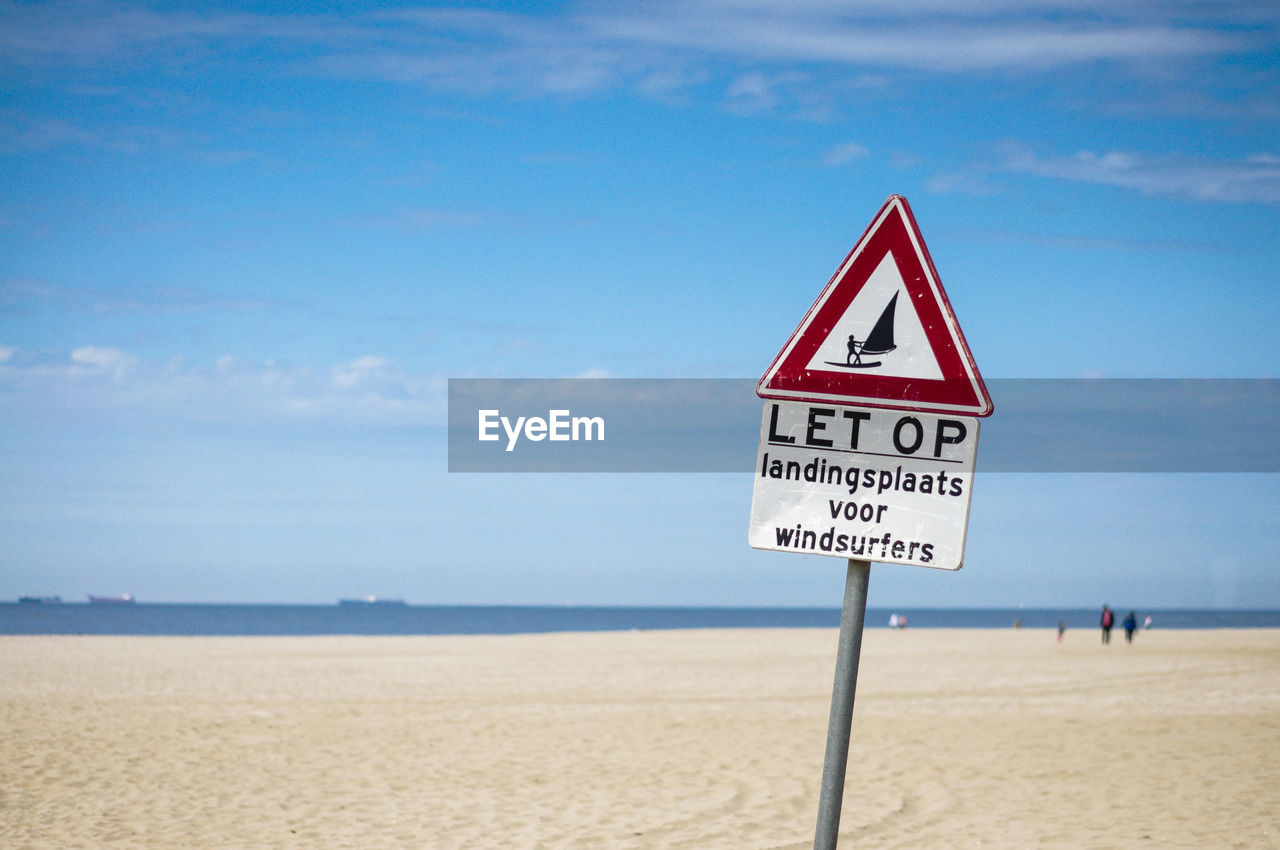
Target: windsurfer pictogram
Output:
{"points": [[879, 341]]}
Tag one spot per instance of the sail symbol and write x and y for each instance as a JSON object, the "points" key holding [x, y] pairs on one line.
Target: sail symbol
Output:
{"points": [[879, 341]]}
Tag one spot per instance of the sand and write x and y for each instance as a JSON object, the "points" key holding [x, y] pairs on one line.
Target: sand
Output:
{"points": [[696, 739]]}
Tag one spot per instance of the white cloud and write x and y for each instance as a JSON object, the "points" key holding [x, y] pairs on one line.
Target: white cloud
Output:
{"points": [[30, 293], [963, 183], [359, 371], [432, 220], [654, 46], [1252, 179], [175, 300], [945, 35], [1248, 179], [104, 359], [6, 353], [844, 154], [94, 381], [752, 93], [669, 83]]}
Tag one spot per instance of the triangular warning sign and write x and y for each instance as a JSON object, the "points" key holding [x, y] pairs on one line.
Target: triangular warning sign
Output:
{"points": [[882, 332]]}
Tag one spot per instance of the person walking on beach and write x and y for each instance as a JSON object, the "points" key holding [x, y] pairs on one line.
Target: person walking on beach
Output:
{"points": [[1062, 629], [1107, 621], [1130, 626]]}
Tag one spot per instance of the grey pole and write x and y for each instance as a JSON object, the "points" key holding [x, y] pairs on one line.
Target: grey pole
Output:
{"points": [[852, 618]]}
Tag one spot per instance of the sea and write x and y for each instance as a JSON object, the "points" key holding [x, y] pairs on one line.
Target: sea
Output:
{"points": [[67, 618]]}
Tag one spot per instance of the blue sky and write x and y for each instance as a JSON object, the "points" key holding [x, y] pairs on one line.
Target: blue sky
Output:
{"points": [[243, 247]]}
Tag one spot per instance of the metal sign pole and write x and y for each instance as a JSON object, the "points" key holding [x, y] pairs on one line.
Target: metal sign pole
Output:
{"points": [[852, 618]]}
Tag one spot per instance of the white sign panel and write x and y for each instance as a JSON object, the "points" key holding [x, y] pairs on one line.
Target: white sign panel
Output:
{"points": [[865, 483]]}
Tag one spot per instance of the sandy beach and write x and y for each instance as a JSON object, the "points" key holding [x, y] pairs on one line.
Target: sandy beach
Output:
{"points": [[694, 739]]}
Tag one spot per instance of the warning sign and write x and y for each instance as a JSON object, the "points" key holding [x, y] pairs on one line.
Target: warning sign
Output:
{"points": [[864, 483], [882, 333]]}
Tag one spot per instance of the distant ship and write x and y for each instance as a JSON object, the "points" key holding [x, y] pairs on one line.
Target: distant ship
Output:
{"points": [[40, 599], [122, 599], [371, 600]]}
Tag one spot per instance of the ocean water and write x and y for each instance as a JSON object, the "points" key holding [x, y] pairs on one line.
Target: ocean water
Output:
{"points": [[196, 619]]}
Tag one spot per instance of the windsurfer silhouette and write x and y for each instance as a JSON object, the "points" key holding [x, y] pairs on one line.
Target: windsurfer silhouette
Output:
{"points": [[878, 341]]}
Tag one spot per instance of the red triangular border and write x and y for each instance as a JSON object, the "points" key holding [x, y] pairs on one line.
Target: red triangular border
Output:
{"points": [[961, 389]]}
